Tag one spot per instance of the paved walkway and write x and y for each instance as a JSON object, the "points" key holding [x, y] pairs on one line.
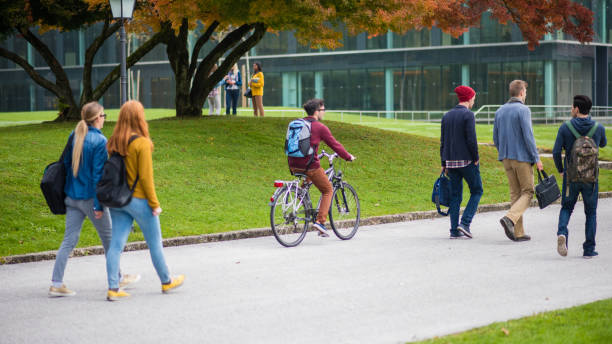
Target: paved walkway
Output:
{"points": [[391, 283]]}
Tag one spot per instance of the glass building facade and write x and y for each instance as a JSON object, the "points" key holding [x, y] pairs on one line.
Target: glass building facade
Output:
{"points": [[417, 70]]}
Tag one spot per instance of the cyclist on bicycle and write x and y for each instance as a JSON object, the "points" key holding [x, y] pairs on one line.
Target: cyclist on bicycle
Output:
{"points": [[310, 165]]}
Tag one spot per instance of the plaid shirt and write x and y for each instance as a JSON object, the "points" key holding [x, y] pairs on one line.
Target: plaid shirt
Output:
{"points": [[457, 163]]}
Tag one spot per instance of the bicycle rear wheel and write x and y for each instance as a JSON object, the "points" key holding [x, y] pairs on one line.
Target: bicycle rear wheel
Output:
{"points": [[344, 211], [288, 217]]}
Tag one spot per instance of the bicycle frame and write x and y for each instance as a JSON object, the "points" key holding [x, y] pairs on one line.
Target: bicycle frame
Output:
{"points": [[294, 185]]}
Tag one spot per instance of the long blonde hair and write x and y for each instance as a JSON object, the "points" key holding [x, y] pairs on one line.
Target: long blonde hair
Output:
{"points": [[131, 121], [89, 113]]}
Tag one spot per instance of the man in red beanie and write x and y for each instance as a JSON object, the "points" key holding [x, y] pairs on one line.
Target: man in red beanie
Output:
{"points": [[459, 155]]}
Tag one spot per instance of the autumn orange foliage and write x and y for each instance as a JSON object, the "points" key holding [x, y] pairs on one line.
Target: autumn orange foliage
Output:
{"points": [[319, 23]]}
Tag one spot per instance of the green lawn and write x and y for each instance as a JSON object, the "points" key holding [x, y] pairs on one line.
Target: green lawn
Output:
{"points": [[585, 324], [545, 135], [215, 174], [24, 118]]}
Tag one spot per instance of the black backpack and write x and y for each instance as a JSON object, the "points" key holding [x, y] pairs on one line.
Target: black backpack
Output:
{"points": [[113, 190], [53, 182]]}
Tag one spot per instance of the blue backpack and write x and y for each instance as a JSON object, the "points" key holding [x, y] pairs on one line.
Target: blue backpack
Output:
{"points": [[297, 142]]}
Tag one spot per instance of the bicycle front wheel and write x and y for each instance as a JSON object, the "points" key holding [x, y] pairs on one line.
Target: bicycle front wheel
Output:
{"points": [[344, 211], [288, 217]]}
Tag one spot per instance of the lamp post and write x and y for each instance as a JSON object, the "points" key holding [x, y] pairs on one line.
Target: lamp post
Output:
{"points": [[122, 10]]}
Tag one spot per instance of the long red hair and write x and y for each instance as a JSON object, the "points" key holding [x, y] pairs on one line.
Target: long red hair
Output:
{"points": [[131, 121]]}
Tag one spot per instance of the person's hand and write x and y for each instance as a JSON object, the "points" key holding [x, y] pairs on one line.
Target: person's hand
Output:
{"points": [[477, 162], [561, 175], [539, 165], [352, 158], [444, 170], [157, 211], [98, 214]]}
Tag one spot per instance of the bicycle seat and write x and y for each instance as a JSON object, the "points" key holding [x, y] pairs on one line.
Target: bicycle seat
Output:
{"points": [[300, 175]]}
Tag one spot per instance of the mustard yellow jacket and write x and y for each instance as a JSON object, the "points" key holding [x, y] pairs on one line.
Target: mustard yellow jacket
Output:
{"points": [[257, 86], [139, 161]]}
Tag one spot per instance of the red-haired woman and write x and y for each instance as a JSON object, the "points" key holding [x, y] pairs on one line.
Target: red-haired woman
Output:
{"points": [[144, 208]]}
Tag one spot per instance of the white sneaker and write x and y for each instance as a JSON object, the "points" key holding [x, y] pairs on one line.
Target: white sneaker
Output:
{"points": [[61, 291], [562, 245], [128, 279]]}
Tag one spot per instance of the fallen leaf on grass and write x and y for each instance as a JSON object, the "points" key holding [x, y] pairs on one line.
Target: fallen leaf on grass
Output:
{"points": [[505, 331]]}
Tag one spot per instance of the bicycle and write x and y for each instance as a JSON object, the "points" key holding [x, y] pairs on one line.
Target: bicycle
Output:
{"points": [[291, 209]]}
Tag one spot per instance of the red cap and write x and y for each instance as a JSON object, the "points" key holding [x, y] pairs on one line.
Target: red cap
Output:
{"points": [[464, 93]]}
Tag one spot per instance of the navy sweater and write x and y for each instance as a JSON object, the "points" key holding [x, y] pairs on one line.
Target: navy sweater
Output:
{"points": [[565, 139], [458, 136]]}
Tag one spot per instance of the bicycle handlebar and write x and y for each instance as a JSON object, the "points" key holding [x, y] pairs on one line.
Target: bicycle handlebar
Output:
{"points": [[329, 156]]}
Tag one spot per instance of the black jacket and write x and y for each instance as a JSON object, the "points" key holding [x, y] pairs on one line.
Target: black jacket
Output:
{"points": [[458, 136]]}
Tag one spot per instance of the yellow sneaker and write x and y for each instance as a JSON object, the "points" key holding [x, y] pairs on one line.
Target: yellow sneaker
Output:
{"points": [[119, 295], [128, 279], [61, 291], [175, 282]]}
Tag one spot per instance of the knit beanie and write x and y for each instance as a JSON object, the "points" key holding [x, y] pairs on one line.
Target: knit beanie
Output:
{"points": [[464, 93]]}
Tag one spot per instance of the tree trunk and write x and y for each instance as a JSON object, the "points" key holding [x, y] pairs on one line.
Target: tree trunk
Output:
{"points": [[69, 113], [178, 56]]}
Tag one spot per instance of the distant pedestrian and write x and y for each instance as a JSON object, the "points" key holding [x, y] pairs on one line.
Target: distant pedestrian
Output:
{"points": [[579, 171], [84, 162], [460, 160], [214, 96], [513, 137], [233, 81], [144, 208], [257, 86]]}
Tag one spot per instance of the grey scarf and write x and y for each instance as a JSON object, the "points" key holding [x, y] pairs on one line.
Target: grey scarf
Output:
{"points": [[515, 100]]}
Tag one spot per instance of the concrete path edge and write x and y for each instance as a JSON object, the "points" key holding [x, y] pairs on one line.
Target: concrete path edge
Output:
{"points": [[248, 233]]}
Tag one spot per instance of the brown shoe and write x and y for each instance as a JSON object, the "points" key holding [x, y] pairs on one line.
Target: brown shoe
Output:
{"points": [[508, 227], [523, 238]]}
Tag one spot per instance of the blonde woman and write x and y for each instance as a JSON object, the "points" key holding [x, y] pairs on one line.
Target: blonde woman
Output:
{"points": [[84, 162], [144, 208], [257, 85]]}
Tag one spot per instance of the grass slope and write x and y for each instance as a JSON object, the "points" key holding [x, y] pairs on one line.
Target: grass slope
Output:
{"points": [[215, 174], [589, 323]]}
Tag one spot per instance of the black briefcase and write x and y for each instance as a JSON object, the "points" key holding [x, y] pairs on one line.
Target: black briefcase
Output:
{"points": [[547, 190]]}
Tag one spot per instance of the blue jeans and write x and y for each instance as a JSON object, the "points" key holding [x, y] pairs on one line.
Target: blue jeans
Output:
{"points": [[569, 198], [122, 218], [76, 211], [471, 174], [231, 101]]}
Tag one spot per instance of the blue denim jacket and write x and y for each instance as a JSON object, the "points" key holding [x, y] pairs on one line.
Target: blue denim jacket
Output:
{"points": [[513, 133], [83, 186]]}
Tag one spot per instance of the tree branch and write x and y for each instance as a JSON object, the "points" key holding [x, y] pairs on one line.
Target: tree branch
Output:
{"points": [[131, 60], [107, 31], [61, 79], [29, 69], [201, 75], [202, 83], [198, 46]]}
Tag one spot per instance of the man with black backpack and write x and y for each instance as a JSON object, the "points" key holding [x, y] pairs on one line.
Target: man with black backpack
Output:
{"points": [[302, 146], [581, 138]]}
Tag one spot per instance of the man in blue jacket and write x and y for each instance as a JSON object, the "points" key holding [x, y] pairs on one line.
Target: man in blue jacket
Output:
{"points": [[516, 147], [583, 125], [459, 155]]}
